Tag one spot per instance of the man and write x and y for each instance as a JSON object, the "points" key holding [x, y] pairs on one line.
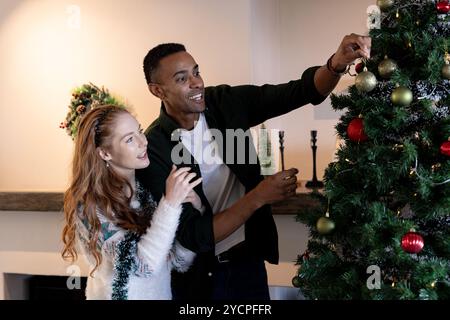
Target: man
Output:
{"points": [[234, 232]]}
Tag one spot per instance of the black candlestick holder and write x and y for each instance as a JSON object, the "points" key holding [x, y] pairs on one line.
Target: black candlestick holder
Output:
{"points": [[281, 136], [314, 183]]}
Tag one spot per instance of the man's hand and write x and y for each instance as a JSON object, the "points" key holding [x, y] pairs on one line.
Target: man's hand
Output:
{"points": [[277, 187], [352, 47]]}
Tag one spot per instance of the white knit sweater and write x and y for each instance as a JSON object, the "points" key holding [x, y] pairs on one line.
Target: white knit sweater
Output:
{"points": [[157, 255]]}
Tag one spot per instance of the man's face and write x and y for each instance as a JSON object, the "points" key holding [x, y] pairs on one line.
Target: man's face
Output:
{"points": [[180, 84]]}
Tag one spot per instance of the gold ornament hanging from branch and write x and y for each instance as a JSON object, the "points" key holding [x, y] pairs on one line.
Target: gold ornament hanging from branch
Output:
{"points": [[387, 67], [446, 71], [325, 225], [366, 81], [385, 5], [402, 96], [296, 281]]}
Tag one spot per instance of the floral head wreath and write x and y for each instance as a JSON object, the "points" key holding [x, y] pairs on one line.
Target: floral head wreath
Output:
{"points": [[85, 98]]}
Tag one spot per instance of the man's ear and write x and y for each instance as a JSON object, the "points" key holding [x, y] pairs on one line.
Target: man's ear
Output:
{"points": [[156, 90], [105, 155]]}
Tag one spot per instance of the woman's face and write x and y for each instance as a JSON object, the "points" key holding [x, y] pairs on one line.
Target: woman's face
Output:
{"points": [[128, 145]]}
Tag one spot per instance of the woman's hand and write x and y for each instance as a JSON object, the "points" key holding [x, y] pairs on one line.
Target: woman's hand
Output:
{"points": [[193, 198], [178, 185]]}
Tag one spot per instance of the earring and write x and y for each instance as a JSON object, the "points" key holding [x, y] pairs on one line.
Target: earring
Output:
{"points": [[107, 164]]}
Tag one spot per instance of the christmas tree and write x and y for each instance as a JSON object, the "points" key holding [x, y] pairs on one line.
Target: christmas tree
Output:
{"points": [[381, 230]]}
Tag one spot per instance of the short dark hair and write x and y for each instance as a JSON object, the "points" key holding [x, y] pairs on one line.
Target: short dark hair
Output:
{"points": [[155, 55]]}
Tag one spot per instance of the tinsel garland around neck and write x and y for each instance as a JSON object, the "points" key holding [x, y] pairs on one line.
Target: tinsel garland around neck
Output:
{"points": [[123, 265], [125, 260]]}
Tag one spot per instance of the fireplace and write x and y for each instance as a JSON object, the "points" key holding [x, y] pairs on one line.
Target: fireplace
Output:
{"points": [[39, 287], [55, 288]]}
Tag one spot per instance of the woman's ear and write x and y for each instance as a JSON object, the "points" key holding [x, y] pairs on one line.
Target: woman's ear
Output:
{"points": [[105, 155]]}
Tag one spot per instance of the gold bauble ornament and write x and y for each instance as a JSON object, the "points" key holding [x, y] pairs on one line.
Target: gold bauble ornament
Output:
{"points": [[402, 96], [387, 67], [324, 225], [296, 281], [385, 4], [366, 81], [446, 71]]}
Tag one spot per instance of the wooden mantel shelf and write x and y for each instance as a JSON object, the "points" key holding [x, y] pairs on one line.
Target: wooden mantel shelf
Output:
{"points": [[53, 201], [31, 201]]}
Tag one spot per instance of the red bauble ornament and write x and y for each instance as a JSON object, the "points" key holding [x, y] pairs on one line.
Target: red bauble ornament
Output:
{"points": [[412, 242], [443, 6], [359, 67], [355, 130], [445, 148]]}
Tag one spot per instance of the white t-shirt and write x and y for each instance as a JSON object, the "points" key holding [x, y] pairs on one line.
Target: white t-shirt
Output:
{"points": [[220, 185]]}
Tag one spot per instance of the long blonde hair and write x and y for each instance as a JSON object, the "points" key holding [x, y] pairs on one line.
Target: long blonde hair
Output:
{"points": [[94, 186]]}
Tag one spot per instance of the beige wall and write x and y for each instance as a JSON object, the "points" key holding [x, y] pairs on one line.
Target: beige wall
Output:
{"points": [[235, 42], [43, 58]]}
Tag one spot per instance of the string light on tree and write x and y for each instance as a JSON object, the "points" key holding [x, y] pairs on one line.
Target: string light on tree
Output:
{"points": [[435, 167], [414, 172]]}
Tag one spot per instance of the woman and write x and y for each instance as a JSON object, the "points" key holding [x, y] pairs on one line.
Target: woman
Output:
{"points": [[127, 238]]}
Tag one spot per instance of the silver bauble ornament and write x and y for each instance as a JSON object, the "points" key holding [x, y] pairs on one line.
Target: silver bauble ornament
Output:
{"points": [[402, 96], [387, 67], [366, 81]]}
